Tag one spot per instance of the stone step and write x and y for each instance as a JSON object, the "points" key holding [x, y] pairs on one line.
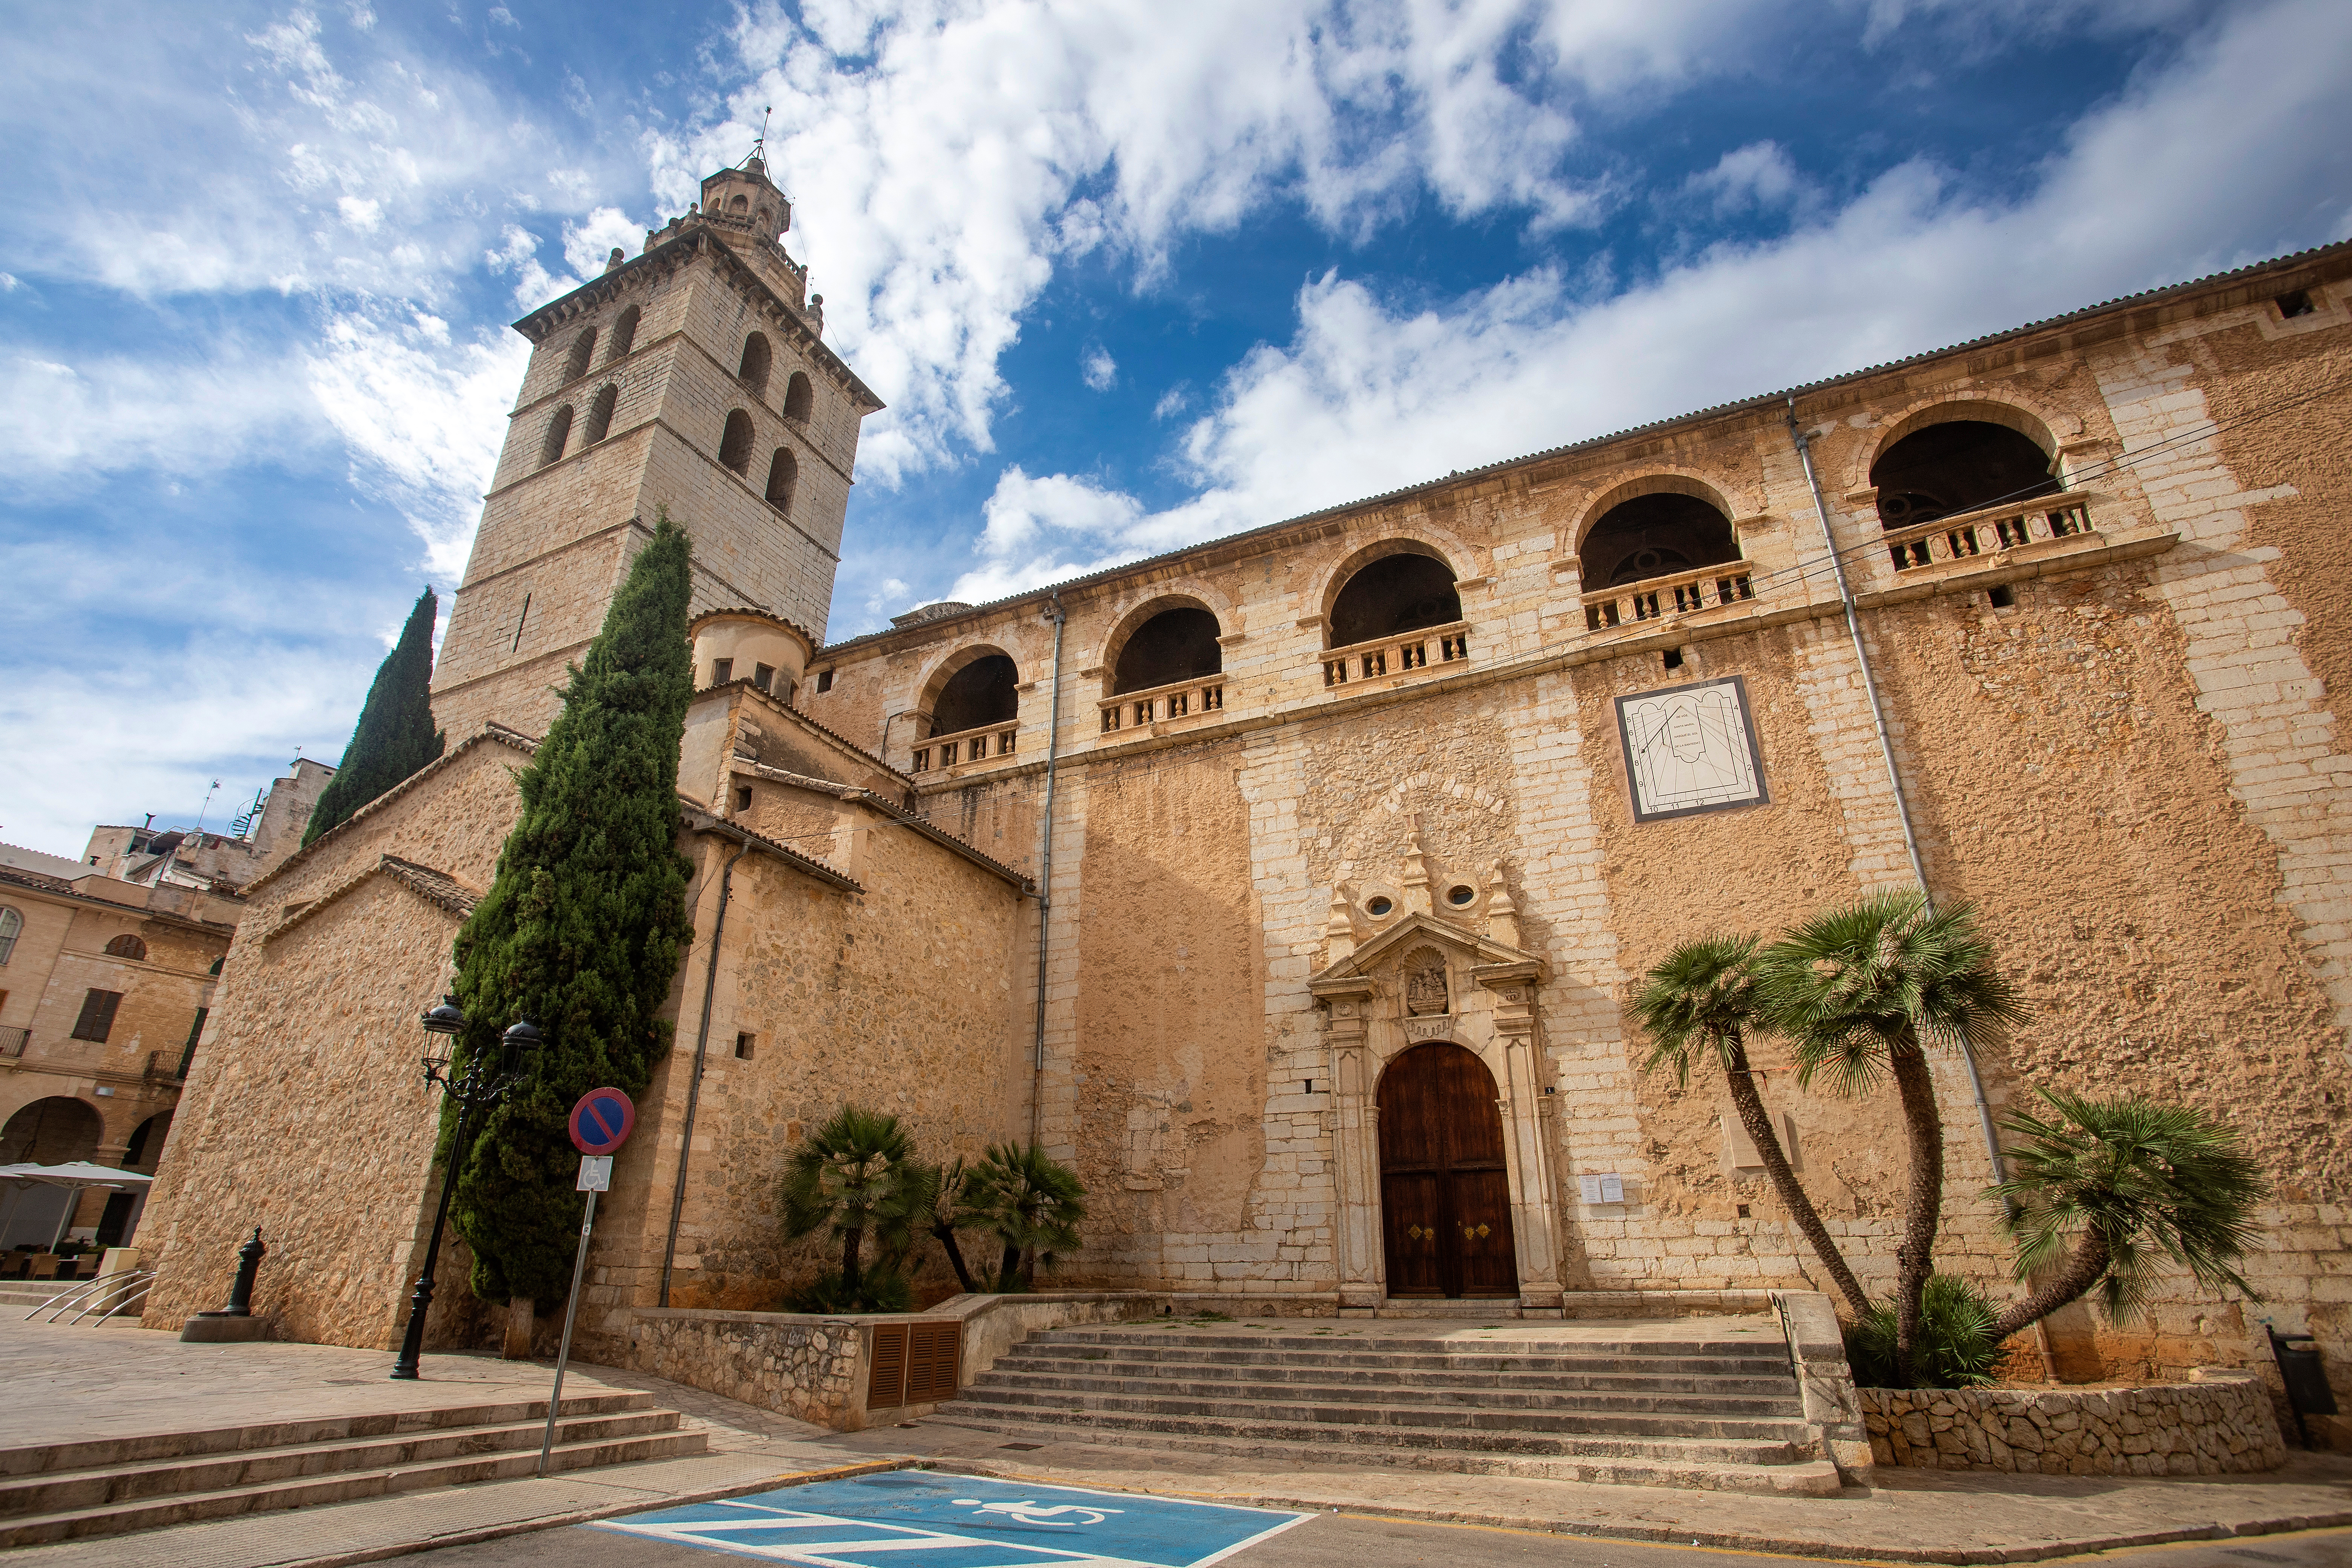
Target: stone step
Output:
{"points": [[1498, 1355], [50, 1458], [1765, 1348], [109, 1501], [1246, 1384], [1663, 1465], [1388, 1369], [1416, 1423]]}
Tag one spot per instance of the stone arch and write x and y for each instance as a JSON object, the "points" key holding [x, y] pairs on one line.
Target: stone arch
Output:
{"points": [[1354, 573], [558, 433], [784, 479], [600, 414], [1183, 640], [1686, 521], [1959, 456], [145, 1145], [735, 442], [758, 358], [583, 352], [53, 1130], [973, 685], [800, 399], [126, 946], [623, 337], [2040, 423]]}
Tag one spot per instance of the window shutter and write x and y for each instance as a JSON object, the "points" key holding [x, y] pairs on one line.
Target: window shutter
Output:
{"points": [[885, 1380], [97, 1020], [934, 1354]]}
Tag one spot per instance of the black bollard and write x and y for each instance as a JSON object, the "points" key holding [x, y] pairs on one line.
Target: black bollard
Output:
{"points": [[240, 1295]]}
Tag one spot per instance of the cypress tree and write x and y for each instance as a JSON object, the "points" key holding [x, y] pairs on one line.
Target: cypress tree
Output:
{"points": [[582, 929], [395, 735]]}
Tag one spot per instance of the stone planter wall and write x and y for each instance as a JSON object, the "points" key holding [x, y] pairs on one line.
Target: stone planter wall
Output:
{"points": [[805, 1366], [2221, 1424]]}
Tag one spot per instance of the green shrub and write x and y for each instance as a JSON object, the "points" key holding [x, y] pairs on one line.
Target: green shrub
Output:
{"points": [[1953, 1351], [878, 1291]]}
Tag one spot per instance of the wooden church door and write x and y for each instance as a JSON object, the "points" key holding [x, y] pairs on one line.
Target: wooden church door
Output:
{"points": [[1445, 1198]]}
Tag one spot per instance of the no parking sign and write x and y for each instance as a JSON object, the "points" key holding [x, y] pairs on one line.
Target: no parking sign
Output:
{"points": [[602, 1120]]}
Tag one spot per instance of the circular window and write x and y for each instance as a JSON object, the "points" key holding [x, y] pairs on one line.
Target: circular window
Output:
{"points": [[1459, 894], [1378, 908]]}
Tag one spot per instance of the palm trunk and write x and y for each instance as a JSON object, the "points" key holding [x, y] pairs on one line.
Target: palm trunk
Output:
{"points": [[2084, 1268], [1008, 1267], [1794, 1199], [1915, 1259], [946, 1233], [852, 1240], [521, 1316]]}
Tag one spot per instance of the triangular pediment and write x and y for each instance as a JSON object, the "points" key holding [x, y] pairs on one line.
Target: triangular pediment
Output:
{"points": [[1470, 948]]}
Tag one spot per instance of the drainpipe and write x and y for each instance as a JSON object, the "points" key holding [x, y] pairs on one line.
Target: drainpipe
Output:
{"points": [[1046, 873], [1902, 809], [701, 1049]]}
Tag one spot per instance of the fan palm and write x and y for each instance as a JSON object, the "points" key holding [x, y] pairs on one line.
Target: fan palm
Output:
{"points": [[850, 1175], [1031, 1200], [1860, 993], [935, 1200], [1700, 1001], [2137, 1180]]}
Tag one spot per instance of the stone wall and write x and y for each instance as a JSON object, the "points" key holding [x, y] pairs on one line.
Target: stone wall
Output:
{"points": [[2220, 1424], [811, 1368]]}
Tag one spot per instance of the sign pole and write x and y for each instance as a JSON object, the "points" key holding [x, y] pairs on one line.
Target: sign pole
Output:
{"points": [[601, 1122], [571, 1307]]}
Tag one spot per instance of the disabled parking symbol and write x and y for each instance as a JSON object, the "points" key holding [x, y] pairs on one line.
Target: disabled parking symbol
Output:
{"points": [[1029, 1512]]}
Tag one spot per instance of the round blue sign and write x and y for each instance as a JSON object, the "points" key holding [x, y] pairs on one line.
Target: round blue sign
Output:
{"points": [[600, 1122]]}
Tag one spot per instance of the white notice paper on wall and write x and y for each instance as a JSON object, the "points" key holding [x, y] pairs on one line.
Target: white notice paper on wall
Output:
{"points": [[596, 1173], [1609, 1188]]}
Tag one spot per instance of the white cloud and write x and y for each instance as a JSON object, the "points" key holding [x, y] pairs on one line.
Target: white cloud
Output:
{"points": [[1099, 371], [60, 423], [1758, 175], [589, 243], [1173, 402]]}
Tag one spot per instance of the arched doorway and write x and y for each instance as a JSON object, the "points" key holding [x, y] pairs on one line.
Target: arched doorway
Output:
{"points": [[1445, 1192]]}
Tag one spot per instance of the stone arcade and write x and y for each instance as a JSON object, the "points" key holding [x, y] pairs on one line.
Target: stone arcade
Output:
{"points": [[1363, 824]]}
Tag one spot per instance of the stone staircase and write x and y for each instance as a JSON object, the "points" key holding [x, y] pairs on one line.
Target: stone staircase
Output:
{"points": [[1686, 1408], [68, 1491]]}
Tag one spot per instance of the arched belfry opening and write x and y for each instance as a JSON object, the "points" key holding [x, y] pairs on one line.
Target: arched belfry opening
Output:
{"points": [[784, 479], [1175, 644], [624, 335], [583, 350], [983, 693], [735, 442], [758, 357], [1397, 594], [1654, 535], [799, 401], [1446, 1187], [1961, 465]]}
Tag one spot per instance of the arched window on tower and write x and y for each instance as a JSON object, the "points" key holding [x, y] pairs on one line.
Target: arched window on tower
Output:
{"points": [[583, 350], [12, 926], [126, 946], [600, 414], [1960, 466], [735, 443], [1395, 595], [1173, 646], [1655, 535], [757, 358], [738, 206], [625, 336], [799, 400], [783, 477], [979, 695], [559, 432]]}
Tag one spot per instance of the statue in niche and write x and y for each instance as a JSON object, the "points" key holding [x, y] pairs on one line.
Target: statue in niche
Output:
{"points": [[1425, 987]]}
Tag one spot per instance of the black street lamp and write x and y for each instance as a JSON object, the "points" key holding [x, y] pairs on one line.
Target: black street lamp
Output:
{"points": [[477, 1087]]}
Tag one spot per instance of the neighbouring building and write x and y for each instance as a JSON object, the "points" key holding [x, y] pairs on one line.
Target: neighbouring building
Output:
{"points": [[1358, 827]]}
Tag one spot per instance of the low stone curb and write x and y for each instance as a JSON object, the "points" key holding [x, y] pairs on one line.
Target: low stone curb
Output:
{"points": [[1721, 1540], [591, 1515]]}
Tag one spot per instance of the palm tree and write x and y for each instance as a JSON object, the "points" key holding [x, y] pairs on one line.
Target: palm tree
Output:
{"points": [[936, 1199], [849, 1174], [1033, 1202], [1700, 1000], [2137, 1179], [1862, 991]]}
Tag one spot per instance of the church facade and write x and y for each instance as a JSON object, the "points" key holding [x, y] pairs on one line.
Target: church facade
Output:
{"points": [[1293, 885]]}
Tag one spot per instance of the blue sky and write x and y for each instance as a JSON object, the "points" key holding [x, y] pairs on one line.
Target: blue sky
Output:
{"points": [[1128, 274]]}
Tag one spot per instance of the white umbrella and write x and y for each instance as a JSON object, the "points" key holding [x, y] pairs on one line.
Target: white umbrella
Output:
{"points": [[74, 1173]]}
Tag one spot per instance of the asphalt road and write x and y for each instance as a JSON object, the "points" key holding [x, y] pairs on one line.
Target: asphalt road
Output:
{"points": [[1349, 1541]]}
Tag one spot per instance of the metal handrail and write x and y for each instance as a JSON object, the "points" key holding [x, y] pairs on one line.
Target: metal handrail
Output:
{"points": [[56, 1305], [135, 1288]]}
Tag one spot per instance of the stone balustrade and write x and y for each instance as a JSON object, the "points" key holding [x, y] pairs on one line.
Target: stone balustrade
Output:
{"points": [[2221, 1424], [1656, 598], [1989, 531], [965, 747], [1158, 705], [1429, 647]]}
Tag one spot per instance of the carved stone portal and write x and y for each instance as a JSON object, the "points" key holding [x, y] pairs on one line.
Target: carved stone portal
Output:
{"points": [[1424, 984]]}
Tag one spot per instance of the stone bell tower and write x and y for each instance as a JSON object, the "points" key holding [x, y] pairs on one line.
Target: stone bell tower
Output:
{"points": [[693, 377]]}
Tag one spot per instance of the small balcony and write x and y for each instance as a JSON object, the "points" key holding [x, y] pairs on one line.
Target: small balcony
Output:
{"points": [[1433, 647], [1974, 536], [1161, 704], [965, 747], [1724, 585]]}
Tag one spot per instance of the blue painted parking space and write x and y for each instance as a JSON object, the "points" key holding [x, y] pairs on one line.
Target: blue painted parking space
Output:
{"points": [[915, 1519]]}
